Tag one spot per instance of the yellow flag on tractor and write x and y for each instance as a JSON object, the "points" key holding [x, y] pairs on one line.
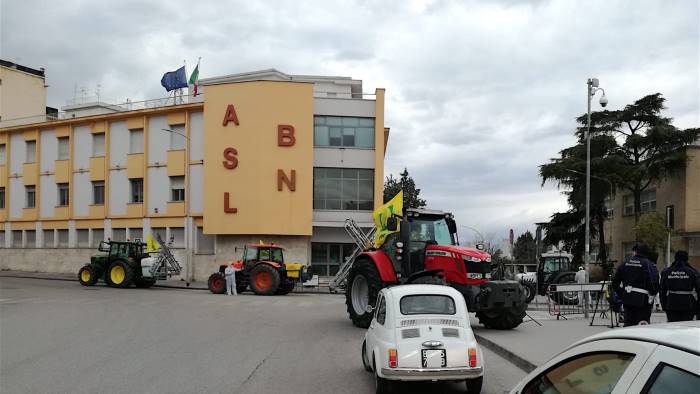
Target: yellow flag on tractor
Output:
{"points": [[151, 245], [381, 214]]}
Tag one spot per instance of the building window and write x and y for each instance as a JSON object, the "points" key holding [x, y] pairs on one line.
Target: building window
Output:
{"points": [[205, 242], [647, 202], [177, 188], [98, 193], [2, 155], [344, 189], [136, 234], [49, 238], [136, 141], [30, 193], [98, 145], [343, 131], [83, 237], [2, 238], [63, 195], [63, 148], [119, 234], [98, 235], [62, 238], [608, 206], [30, 238], [177, 234], [2, 197], [31, 151], [16, 238], [326, 257], [136, 190], [177, 139]]}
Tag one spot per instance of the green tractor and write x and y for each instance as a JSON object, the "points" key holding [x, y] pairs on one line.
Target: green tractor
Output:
{"points": [[125, 263]]}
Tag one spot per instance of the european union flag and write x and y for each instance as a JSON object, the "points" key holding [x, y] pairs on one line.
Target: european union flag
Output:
{"points": [[174, 79]]}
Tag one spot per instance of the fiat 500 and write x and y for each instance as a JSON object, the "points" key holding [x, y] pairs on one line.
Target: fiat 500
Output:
{"points": [[422, 333]]}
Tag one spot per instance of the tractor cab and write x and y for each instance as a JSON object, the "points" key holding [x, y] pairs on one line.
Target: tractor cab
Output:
{"points": [[127, 249], [254, 253], [554, 267]]}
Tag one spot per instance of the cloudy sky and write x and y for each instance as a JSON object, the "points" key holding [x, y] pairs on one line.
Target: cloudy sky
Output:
{"points": [[479, 93]]}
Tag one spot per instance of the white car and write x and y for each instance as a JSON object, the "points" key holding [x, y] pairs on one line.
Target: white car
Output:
{"points": [[652, 359], [422, 333]]}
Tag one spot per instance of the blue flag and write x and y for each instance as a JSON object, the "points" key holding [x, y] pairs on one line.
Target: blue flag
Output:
{"points": [[174, 79]]}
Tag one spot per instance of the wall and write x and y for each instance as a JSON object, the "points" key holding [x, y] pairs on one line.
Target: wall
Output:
{"points": [[21, 94], [252, 186]]}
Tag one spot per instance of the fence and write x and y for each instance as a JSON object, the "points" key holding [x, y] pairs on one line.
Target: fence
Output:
{"points": [[581, 299]]}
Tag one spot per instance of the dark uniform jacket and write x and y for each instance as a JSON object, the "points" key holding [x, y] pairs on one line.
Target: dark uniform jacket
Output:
{"points": [[636, 280], [679, 287]]}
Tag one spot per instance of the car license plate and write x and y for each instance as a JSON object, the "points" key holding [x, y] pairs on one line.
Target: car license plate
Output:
{"points": [[434, 358]]}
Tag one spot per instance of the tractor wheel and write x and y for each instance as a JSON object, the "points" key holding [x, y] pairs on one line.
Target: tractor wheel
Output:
{"points": [[144, 283], [503, 318], [285, 288], [530, 291], [217, 283], [363, 287], [120, 274], [241, 288], [264, 280], [87, 276]]}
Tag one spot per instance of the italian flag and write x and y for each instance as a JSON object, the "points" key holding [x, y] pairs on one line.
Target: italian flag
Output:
{"points": [[194, 79]]}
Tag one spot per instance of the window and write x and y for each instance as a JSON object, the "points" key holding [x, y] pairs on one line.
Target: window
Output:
{"points": [[62, 194], [177, 188], [118, 234], [326, 257], [136, 141], [63, 148], [30, 192], [98, 144], [2, 155], [31, 152], [381, 310], [344, 131], [427, 304], [344, 188], [177, 139], [136, 233], [2, 238], [587, 373], [647, 201], [16, 238], [98, 193], [160, 231], [83, 236], [609, 204], [49, 238], [62, 238], [668, 379], [136, 190], [205, 242], [30, 238], [98, 235], [178, 236], [2, 197]]}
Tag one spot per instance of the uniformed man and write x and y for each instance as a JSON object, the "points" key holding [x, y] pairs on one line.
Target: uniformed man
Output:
{"points": [[679, 289], [637, 283]]}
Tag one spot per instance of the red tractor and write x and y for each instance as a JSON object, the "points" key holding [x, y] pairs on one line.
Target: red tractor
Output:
{"points": [[425, 250]]}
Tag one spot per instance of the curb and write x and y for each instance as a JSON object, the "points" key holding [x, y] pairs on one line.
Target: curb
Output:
{"points": [[507, 354]]}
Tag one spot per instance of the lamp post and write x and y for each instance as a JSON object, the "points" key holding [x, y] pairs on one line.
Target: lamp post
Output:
{"points": [[483, 240], [592, 89]]}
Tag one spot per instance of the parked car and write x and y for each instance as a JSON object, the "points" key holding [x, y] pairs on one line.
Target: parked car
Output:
{"points": [[659, 358], [422, 333]]}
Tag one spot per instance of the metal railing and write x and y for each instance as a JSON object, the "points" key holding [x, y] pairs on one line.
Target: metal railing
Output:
{"points": [[565, 300]]}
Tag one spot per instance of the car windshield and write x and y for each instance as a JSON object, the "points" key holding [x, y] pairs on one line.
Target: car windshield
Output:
{"points": [[427, 304], [431, 230]]}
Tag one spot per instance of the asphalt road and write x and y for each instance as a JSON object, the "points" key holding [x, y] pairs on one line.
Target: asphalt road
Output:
{"points": [[60, 337]]}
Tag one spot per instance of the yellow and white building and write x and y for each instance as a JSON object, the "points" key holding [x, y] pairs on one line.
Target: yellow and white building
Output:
{"points": [[256, 156]]}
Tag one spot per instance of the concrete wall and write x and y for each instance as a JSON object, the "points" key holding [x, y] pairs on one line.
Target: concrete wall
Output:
{"points": [[344, 107], [344, 157], [49, 150], [45, 260], [82, 194], [16, 198], [196, 136], [18, 153], [118, 143], [119, 192], [159, 190], [158, 140], [21, 94], [196, 181], [48, 196], [83, 147]]}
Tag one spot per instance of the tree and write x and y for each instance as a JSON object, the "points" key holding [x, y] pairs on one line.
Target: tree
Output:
{"points": [[524, 249], [651, 230], [649, 148], [411, 195]]}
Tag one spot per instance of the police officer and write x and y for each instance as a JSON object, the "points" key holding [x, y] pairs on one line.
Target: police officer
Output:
{"points": [[637, 283], [679, 289]]}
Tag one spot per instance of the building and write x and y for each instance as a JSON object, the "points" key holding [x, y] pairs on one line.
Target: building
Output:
{"points": [[256, 156], [22, 92], [682, 192]]}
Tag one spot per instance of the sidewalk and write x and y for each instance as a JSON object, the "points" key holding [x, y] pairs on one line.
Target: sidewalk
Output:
{"points": [[530, 345], [171, 283]]}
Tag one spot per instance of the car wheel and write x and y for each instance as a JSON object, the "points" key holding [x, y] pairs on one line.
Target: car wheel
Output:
{"points": [[365, 360], [474, 385], [382, 386]]}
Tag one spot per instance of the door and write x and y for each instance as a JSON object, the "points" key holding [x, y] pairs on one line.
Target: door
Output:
{"points": [[375, 328], [668, 370]]}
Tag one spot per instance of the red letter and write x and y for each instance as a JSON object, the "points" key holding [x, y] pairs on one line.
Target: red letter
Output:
{"points": [[230, 159], [230, 115], [285, 135], [282, 178], [227, 207]]}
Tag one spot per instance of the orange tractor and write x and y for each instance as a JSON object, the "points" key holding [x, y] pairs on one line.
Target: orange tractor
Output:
{"points": [[262, 268]]}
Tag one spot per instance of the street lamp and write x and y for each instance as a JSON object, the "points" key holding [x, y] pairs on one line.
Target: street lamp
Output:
{"points": [[592, 90], [176, 132], [483, 240]]}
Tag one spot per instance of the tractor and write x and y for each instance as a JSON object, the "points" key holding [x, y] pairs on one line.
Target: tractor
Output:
{"points": [[124, 263], [423, 249], [262, 268]]}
